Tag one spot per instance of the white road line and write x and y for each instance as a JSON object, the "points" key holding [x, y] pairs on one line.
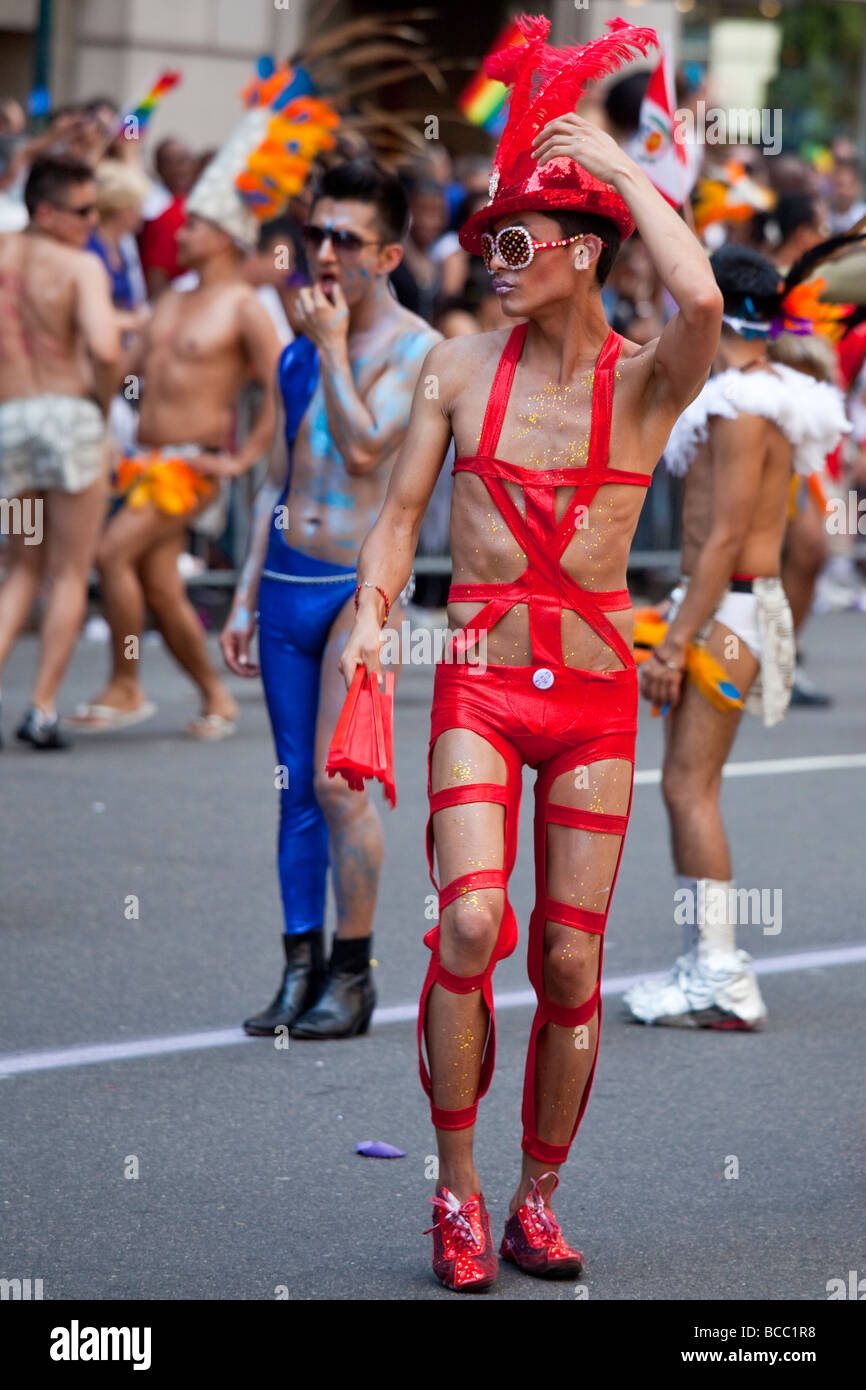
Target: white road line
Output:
{"points": [[16, 1063], [770, 767]]}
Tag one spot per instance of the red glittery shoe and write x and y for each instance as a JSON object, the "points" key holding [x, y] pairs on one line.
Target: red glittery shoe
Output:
{"points": [[463, 1254], [534, 1242]]}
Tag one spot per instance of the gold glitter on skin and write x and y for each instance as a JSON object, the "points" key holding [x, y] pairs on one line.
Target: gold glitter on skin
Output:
{"points": [[552, 402], [465, 1084], [462, 772]]}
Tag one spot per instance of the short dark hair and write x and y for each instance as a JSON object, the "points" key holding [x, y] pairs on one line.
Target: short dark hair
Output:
{"points": [[95, 103], [572, 222], [423, 187], [364, 181], [795, 210], [623, 100], [52, 175], [287, 230], [744, 274], [791, 212]]}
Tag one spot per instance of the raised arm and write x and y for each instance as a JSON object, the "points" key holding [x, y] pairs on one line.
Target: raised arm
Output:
{"points": [[387, 553], [684, 352], [689, 341], [738, 449], [364, 430]]}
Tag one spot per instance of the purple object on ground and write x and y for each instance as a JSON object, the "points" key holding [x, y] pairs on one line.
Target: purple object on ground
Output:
{"points": [[375, 1148]]}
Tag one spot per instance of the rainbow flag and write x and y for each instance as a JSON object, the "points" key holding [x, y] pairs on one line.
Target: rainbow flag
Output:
{"points": [[483, 100], [145, 109]]}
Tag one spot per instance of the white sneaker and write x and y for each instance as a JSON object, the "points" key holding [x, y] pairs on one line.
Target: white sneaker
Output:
{"points": [[713, 990], [838, 589]]}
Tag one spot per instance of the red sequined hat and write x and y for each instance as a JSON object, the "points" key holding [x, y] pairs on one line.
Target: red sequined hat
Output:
{"points": [[517, 181]]}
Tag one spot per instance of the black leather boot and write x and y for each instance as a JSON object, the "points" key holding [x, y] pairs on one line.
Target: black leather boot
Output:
{"points": [[36, 729], [302, 983], [344, 1007]]}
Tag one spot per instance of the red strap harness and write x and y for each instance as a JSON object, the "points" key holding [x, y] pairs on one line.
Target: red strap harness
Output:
{"points": [[544, 585]]}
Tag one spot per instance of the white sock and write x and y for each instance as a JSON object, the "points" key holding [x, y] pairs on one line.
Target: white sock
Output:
{"points": [[717, 916], [687, 899]]}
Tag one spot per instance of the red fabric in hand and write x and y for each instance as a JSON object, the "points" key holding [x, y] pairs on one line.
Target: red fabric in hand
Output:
{"points": [[363, 744]]}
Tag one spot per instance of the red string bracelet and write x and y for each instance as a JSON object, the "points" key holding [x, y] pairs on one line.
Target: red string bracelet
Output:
{"points": [[365, 584]]}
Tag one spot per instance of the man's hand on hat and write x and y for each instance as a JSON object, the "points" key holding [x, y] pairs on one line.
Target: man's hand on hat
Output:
{"points": [[572, 137], [324, 322]]}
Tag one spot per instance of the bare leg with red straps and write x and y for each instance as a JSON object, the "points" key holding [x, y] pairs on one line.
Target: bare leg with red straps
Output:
{"points": [[468, 836], [578, 867]]}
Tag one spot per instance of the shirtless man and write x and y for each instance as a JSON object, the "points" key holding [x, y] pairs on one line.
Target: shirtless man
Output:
{"points": [[344, 391], [199, 349], [738, 441], [59, 366], [557, 427]]}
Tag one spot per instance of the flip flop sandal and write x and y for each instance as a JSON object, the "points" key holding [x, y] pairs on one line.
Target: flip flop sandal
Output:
{"points": [[102, 719], [211, 728]]}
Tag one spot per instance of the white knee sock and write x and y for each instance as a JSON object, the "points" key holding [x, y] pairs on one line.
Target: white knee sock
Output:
{"points": [[686, 900], [717, 916]]}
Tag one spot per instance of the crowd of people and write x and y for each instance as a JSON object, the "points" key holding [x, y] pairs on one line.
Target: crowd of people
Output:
{"points": [[133, 223]]}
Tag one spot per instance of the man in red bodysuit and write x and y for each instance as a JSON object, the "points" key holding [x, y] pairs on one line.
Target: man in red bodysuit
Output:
{"points": [[557, 427]]}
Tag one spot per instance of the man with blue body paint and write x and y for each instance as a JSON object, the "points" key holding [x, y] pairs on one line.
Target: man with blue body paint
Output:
{"points": [[344, 392]]}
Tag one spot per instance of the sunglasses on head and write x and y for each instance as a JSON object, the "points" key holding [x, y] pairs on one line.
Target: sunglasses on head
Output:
{"points": [[344, 243], [516, 248]]}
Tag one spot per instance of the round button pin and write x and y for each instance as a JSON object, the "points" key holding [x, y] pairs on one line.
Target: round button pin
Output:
{"points": [[542, 679]]}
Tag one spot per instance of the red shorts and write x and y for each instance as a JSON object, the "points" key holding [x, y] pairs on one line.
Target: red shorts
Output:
{"points": [[503, 705]]}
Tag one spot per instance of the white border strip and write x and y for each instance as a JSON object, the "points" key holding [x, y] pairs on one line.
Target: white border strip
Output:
{"points": [[17, 1063]]}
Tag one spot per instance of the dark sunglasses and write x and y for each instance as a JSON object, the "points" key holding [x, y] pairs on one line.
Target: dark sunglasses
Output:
{"points": [[344, 243], [76, 212]]}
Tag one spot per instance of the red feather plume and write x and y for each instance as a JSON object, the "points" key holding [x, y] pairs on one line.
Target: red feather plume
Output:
{"points": [[564, 73], [507, 63], [514, 65]]}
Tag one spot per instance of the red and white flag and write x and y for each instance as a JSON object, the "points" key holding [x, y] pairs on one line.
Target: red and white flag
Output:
{"points": [[659, 147]]}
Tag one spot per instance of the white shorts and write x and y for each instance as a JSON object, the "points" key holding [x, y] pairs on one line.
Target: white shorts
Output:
{"points": [[739, 612], [50, 442], [762, 620]]}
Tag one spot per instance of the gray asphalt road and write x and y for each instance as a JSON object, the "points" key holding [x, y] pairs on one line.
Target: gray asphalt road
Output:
{"points": [[247, 1175]]}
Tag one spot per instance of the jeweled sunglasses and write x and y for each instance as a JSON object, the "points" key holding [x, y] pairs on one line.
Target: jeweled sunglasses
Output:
{"points": [[516, 248]]}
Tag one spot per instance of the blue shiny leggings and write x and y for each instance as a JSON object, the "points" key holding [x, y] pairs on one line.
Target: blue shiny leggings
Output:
{"points": [[295, 620]]}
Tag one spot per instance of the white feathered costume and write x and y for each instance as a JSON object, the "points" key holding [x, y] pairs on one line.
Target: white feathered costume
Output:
{"points": [[810, 413]]}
